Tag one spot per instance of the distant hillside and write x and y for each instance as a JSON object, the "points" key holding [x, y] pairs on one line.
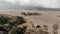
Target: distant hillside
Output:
{"points": [[42, 8]]}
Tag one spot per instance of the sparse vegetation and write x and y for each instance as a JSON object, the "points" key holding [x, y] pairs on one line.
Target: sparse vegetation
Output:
{"points": [[15, 30], [58, 16], [9, 25], [18, 20], [38, 26], [45, 27], [3, 20], [30, 14]]}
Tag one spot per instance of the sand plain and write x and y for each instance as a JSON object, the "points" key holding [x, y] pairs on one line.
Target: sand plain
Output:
{"points": [[47, 18]]}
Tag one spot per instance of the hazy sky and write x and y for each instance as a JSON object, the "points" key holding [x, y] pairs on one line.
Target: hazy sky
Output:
{"points": [[18, 3]]}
